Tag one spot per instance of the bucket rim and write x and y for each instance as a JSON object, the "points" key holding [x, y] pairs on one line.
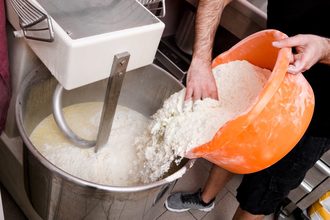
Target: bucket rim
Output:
{"points": [[237, 125]]}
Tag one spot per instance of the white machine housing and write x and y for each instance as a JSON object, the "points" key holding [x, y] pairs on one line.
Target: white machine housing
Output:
{"points": [[85, 41]]}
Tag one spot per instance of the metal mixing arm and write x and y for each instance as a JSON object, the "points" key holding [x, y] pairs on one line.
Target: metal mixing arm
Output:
{"points": [[109, 107], [61, 122]]}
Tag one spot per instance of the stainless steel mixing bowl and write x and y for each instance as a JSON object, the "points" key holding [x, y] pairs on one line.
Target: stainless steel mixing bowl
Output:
{"points": [[56, 194]]}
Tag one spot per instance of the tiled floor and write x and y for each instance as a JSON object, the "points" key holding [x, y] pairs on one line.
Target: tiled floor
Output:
{"points": [[195, 178]]}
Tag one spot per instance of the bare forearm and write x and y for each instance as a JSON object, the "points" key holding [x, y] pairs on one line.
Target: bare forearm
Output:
{"points": [[207, 21], [200, 80], [326, 57]]}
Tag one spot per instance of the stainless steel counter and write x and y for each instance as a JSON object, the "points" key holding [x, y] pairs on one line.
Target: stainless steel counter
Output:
{"points": [[249, 15], [240, 19]]}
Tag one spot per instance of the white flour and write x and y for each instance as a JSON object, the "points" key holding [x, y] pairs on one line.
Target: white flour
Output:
{"points": [[175, 129], [178, 127], [112, 165]]}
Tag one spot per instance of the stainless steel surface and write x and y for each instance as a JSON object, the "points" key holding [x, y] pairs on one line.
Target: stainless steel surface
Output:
{"points": [[311, 181], [157, 7], [176, 71], [111, 97], [286, 211], [1, 208], [185, 33], [306, 187], [32, 19], [11, 155], [323, 168], [314, 185], [22, 61], [310, 198], [326, 158], [56, 194], [260, 4], [297, 194], [84, 18], [307, 199], [249, 15], [61, 122], [315, 176]]}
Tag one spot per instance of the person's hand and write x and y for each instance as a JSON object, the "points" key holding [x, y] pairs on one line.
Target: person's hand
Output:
{"points": [[309, 49], [200, 81]]}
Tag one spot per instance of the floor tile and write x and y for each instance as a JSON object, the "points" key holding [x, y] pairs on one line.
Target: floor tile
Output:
{"points": [[194, 178], [176, 216], [200, 214], [233, 184], [224, 210], [158, 208]]}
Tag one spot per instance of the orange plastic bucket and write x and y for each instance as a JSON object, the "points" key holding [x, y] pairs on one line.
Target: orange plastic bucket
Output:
{"points": [[273, 125]]}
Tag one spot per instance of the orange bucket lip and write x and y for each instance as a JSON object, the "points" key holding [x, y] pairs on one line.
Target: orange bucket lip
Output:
{"points": [[227, 147], [252, 49]]}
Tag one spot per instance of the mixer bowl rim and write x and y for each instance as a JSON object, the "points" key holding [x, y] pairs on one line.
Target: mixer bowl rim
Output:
{"points": [[84, 183]]}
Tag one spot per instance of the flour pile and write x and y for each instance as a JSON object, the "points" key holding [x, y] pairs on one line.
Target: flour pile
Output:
{"points": [[180, 126], [112, 164], [140, 150]]}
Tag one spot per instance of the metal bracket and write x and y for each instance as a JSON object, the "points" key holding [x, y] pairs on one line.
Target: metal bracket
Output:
{"points": [[111, 98]]}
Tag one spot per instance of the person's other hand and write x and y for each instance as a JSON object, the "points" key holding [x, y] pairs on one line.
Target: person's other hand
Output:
{"points": [[309, 49], [200, 81]]}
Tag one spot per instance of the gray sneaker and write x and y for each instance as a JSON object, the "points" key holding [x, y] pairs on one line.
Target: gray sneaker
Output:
{"points": [[180, 202]]}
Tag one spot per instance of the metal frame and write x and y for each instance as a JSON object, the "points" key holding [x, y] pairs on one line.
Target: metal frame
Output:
{"points": [[30, 20], [157, 7]]}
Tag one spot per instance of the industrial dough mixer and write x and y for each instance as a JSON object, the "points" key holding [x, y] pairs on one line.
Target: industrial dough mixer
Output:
{"points": [[82, 42], [82, 35]]}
